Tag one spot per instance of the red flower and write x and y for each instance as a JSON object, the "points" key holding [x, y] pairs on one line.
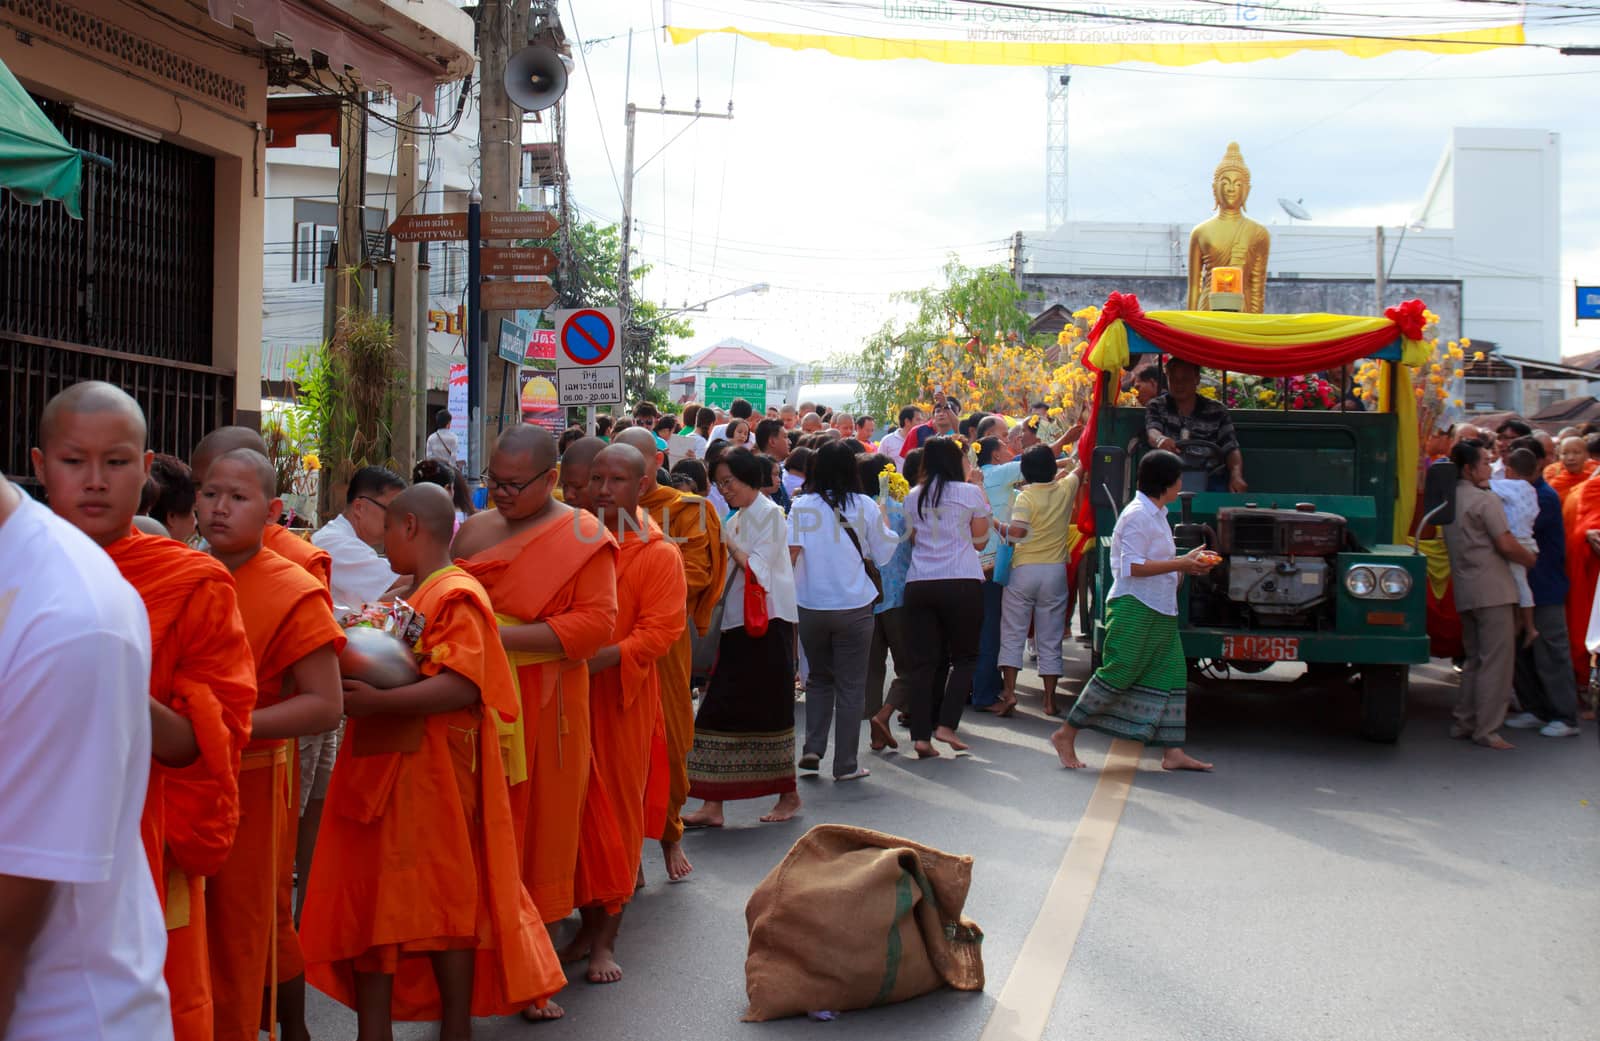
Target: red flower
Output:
{"points": [[1409, 318]]}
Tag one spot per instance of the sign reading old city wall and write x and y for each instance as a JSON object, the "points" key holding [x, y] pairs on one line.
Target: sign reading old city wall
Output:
{"points": [[494, 224], [429, 227]]}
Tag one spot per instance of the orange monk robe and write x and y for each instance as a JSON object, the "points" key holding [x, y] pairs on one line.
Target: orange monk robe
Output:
{"points": [[201, 669], [691, 525], [561, 573], [1564, 480], [287, 615], [625, 706], [286, 543], [416, 852], [1580, 513]]}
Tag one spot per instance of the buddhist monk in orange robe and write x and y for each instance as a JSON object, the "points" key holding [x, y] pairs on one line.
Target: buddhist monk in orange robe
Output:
{"points": [[417, 908], [551, 575], [294, 643], [691, 525], [1573, 469], [275, 537], [625, 706], [92, 461]]}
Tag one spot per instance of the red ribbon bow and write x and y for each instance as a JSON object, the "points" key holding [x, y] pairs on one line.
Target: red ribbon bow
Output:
{"points": [[1410, 318], [1119, 307]]}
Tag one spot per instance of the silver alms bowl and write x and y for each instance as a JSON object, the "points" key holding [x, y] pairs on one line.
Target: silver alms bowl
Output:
{"points": [[379, 658]]}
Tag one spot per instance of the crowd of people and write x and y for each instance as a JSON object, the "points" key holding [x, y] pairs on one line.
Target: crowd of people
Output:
{"points": [[624, 626]]}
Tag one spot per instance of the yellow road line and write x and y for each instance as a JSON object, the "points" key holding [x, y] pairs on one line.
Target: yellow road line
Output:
{"points": [[1023, 1008]]}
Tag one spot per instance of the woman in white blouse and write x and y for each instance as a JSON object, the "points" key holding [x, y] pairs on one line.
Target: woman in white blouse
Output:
{"points": [[744, 730], [836, 596], [1139, 691]]}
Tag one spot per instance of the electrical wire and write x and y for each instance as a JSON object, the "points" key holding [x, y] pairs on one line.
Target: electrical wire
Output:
{"points": [[593, 97]]}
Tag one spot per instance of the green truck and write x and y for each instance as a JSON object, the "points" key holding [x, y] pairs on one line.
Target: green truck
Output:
{"points": [[1310, 569]]}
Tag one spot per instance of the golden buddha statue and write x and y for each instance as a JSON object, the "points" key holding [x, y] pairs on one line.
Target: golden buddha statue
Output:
{"points": [[1230, 239]]}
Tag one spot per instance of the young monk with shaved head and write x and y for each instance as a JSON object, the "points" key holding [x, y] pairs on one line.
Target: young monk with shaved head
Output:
{"points": [[92, 461], [576, 462], [692, 526], [551, 576], [420, 783], [623, 807], [275, 537], [295, 643]]}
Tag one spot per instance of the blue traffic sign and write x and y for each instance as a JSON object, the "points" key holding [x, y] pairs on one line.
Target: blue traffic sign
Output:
{"points": [[1589, 301], [587, 337]]}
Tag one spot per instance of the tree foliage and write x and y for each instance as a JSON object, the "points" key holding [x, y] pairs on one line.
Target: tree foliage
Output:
{"points": [[976, 310], [588, 277]]}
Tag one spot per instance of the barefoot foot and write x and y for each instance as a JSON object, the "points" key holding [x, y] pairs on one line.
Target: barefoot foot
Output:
{"points": [[1496, 742], [881, 737], [603, 968], [678, 866], [551, 1011], [1178, 759], [925, 750], [786, 807], [1064, 744], [702, 819], [948, 736], [578, 949]]}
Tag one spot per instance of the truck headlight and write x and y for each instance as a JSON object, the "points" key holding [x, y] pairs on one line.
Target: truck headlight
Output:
{"points": [[1360, 581], [1394, 582]]}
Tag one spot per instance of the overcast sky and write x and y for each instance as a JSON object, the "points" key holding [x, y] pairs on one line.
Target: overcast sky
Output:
{"points": [[841, 181]]}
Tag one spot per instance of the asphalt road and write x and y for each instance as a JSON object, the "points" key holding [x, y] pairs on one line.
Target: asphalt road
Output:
{"points": [[1313, 887]]}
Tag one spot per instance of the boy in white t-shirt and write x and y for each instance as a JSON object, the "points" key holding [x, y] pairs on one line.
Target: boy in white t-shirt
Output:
{"points": [[1521, 502], [82, 936]]}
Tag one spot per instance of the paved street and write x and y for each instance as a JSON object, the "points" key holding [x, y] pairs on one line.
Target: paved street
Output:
{"points": [[1314, 887]]}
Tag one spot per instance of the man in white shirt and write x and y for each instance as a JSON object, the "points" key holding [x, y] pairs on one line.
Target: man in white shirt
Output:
{"points": [[442, 444], [891, 443], [360, 576], [82, 937]]}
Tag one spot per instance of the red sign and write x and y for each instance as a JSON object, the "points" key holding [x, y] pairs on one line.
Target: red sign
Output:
{"points": [[429, 227], [541, 346], [1261, 648]]}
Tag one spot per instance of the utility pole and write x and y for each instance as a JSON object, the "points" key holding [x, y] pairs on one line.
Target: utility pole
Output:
{"points": [[1381, 280], [348, 292], [408, 435]]}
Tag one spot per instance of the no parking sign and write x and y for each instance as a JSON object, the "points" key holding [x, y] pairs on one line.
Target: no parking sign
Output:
{"points": [[588, 360]]}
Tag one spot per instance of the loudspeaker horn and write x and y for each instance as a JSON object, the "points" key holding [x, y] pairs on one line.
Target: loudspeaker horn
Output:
{"points": [[536, 77]]}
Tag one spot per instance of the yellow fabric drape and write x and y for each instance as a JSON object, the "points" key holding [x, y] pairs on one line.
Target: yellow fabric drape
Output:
{"points": [[513, 749], [999, 52], [1406, 447]]}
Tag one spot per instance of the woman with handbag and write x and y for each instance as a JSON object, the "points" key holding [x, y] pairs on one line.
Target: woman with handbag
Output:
{"points": [[837, 540], [744, 730], [947, 517]]}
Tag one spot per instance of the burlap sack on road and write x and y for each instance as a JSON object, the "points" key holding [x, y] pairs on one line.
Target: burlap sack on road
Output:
{"points": [[854, 918]]}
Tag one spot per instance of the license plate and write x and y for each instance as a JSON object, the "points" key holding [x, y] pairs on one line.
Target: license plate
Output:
{"points": [[1261, 648]]}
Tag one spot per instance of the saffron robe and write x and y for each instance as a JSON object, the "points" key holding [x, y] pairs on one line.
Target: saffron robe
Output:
{"points": [[1563, 480], [201, 669], [1580, 513], [691, 525], [286, 543], [287, 615], [562, 573], [416, 852], [627, 800]]}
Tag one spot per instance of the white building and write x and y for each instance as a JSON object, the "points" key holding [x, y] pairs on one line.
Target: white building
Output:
{"points": [[1490, 219]]}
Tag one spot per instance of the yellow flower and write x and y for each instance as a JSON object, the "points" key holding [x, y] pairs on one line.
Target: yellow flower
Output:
{"points": [[311, 462], [1465, 342], [1442, 393], [1053, 413], [1477, 355], [1456, 402]]}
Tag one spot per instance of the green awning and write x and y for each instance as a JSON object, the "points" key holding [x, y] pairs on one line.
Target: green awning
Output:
{"points": [[36, 162]]}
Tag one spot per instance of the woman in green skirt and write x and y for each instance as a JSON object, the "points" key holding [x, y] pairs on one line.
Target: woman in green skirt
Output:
{"points": [[1139, 691]]}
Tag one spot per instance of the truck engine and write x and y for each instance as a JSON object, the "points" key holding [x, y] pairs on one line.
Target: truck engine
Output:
{"points": [[1278, 567]]}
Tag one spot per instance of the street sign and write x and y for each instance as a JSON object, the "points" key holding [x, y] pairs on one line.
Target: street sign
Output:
{"points": [[429, 227], [590, 385], [513, 342], [588, 359], [587, 336], [518, 224], [1589, 301], [721, 390], [517, 261], [512, 296], [541, 349]]}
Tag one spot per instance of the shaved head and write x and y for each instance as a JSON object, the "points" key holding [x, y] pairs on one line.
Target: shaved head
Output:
{"points": [[220, 442], [89, 398], [582, 451], [432, 506], [644, 443], [257, 465], [534, 442], [624, 455], [576, 463]]}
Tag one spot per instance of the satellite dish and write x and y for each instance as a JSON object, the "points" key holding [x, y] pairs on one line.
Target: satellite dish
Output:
{"points": [[1293, 208], [536, 77]]}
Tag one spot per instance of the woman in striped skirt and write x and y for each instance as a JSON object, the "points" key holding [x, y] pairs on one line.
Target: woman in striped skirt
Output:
{"points": [[1139, 691]]}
